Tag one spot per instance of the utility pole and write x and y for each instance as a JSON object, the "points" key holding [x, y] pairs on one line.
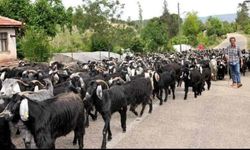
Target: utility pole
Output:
{"points": [[179, 20]]}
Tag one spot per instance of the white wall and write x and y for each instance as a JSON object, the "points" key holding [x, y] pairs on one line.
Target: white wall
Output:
{"points": [[11, 54]]}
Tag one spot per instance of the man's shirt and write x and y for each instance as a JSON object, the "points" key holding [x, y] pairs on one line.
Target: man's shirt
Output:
{"points": [[234, 54]]}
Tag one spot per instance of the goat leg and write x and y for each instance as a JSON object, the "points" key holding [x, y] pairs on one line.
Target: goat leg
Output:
{"points": [[94, 116], [159, 96], [166, 94], [123, 118], [106, 119], [186, 92], [173, 91], [109, 133], [150, 102], [75, 138], [132, 109], [143, 108]]}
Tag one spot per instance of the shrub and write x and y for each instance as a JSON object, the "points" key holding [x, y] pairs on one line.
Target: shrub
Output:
{"points": [[35, 45], [100, 43], [136, 45]]}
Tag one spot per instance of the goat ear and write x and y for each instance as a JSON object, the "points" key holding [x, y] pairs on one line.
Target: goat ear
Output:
{"points": [[99, 91], [127, 78], [82, 82], [110, 81], [157, 77], [36, 88], [2, 76], [24, 110]]}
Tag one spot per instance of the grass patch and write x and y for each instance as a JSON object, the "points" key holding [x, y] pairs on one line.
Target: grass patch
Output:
{"points": [[217, 42]]}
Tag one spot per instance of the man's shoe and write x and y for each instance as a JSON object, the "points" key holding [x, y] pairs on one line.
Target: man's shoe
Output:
{"points": [[239, 85]]}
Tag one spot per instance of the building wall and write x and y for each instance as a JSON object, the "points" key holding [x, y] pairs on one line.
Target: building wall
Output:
{"points": [[11, 54]]}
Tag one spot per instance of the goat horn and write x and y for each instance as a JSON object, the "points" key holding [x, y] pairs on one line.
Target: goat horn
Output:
{"points": [[20, 81], [36, 81], [102, 81], [74, 75], [119, 78], [2, 114], [32, 71]]}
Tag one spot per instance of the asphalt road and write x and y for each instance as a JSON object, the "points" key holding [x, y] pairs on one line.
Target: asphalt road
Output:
{"points": [[217, 119], [240, 39]]}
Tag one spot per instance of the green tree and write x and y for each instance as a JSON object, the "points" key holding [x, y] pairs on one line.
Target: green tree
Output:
{"points": [[100, 17], [124, 36], [140, 15], [171, 20], [214, 27], [154, 35], [228, 27], [21, 10], [192, 26], [136, 45], [100, 42], [35, 45], [49, 14], [242, 15]]}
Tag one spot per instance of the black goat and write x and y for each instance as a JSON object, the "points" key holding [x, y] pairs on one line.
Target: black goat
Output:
{"points": [[5, 133], [139, 91], [192, 78], [221, 70], [206, 77], [50, 119], [107, 102], [164, 81]]}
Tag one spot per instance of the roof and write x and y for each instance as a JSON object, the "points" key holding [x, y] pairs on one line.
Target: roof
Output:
{"points": [[7, 22]]}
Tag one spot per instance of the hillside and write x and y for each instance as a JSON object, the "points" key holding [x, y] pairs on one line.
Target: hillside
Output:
{"points": [[225, 17]]}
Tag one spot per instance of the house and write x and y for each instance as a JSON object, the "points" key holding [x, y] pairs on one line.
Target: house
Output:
{"points": [[8, 38]]}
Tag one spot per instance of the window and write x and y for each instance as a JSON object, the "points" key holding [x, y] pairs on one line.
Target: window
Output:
{"points": [[3, 42]]}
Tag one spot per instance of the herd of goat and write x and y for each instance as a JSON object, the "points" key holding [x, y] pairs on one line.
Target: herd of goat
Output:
{"points": [[47, 101]]}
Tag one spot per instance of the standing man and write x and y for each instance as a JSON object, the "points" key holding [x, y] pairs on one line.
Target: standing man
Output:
{"points": [[234, 58]]}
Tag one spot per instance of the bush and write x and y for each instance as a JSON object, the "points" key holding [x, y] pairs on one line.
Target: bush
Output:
{"points": [[136, 45], [35, 45], [247, 29], [192, 40], [66, 41], [100, 43], [202, 39]]}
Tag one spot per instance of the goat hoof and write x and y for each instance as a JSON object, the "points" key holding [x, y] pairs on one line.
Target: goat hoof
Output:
{"points": [[110, 138], [28, 145], [103, 147], [124, 131]]}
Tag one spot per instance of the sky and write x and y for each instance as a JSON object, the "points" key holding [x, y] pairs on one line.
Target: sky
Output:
{"points": [[154, 8]]}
